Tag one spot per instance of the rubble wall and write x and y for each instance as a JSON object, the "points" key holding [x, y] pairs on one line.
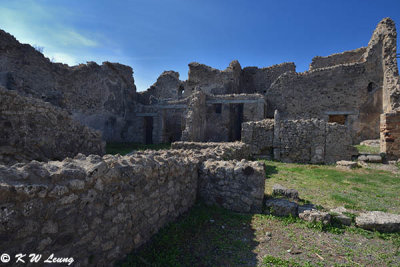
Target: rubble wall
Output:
{"points": [[390, 134], [99, 96], [97, 209], [234, 185], [346, 57], [259, 80], [312, 141], [35, 130], [259, 135]]}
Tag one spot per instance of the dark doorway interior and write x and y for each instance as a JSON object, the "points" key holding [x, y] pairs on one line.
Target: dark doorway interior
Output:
{"points": [[236, 119], [148, 130], [341, 119]]}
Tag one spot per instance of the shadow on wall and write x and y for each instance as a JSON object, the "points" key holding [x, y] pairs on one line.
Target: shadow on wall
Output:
{"points": [[204, 236]]}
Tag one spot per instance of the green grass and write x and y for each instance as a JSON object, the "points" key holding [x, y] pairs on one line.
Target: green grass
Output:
{"points": [[367, 149], [360, 189], [125, 148], [206, 236]]}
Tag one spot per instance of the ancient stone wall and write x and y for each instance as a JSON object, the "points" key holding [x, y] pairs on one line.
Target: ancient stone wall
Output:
{"points": [[167, 86], [390, 134], [347, 57], [97, 209], [353, 90], [101, 97], [213, 81], [259, 80], [218, 118], [219, 150], [312, 141], [31, 129], [260, 136], [234, 185]]}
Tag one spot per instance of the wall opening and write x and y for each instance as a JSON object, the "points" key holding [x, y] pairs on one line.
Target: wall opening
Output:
{"points": [[372, 87], [340, 119], [236, 119], [181, 91], [218, 108], [148, 130]]}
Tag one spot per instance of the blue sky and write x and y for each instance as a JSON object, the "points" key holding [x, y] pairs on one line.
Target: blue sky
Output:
{"points": [[156, 35]]}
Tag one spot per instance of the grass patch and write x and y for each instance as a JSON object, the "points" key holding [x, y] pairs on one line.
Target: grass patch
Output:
{"points": [[367, 149], [125, 148], [325, 185], [205, 236]]}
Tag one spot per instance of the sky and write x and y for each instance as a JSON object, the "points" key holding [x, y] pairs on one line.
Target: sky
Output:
{"points": [[152, 36]]}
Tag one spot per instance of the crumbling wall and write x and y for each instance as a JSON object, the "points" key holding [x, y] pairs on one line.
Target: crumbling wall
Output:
{"points": [[97, 209], [219, 150], [234, 185], [259, 80], [347, 57], [359, 84], [213, 81], [31, 129], [312, 141], [167, 86], [218, 118], [195, 118], [259, 135], [101, 97], [390, 134]]}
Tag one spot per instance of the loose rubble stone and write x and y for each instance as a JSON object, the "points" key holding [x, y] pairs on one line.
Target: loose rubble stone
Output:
{"points": [[345, 164], [379, 221], [281, 207], [372, 158], [315, 216], [279, 190], [338, 213]]}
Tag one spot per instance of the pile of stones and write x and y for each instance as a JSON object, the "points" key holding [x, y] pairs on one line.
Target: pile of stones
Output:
{"points": [[286, 202]]}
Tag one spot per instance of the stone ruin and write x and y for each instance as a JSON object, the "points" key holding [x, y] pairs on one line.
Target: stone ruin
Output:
{"points": [[98, 208], [358, 89]]}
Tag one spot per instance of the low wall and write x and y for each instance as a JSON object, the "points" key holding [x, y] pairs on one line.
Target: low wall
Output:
{"points": [[234, 185], [303, 141], [223, 150], [390, 134], [97, 209], [259, 135], [31, 129]]}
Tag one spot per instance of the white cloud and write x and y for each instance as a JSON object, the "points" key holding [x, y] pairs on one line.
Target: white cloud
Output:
{"points": [[63, 58], [43, 26]]}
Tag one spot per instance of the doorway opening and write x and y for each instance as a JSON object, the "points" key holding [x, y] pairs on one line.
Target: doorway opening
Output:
{"points": [[148, 130], [236, 119]]}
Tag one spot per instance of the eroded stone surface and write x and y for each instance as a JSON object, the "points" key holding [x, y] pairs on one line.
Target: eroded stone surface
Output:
{"points": [[379, 221], [281, 207], [279, 190], [315, 216]]}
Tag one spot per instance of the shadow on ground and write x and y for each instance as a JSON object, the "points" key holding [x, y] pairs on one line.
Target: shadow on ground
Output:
{"points": [[270, 170], [205, 236]]}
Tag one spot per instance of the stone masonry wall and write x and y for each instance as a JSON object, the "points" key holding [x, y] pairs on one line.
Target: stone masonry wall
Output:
{"points": [[259, 80], [259, 135], [223, 150], [312, 141], [346, 57], [31, 129], [97, 209], [390, 134], [235, 185], [99, 96], [213, 81]]}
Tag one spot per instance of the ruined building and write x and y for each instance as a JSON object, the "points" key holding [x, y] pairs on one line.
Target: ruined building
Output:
{"points": [[99, 208], [358, 90]]}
